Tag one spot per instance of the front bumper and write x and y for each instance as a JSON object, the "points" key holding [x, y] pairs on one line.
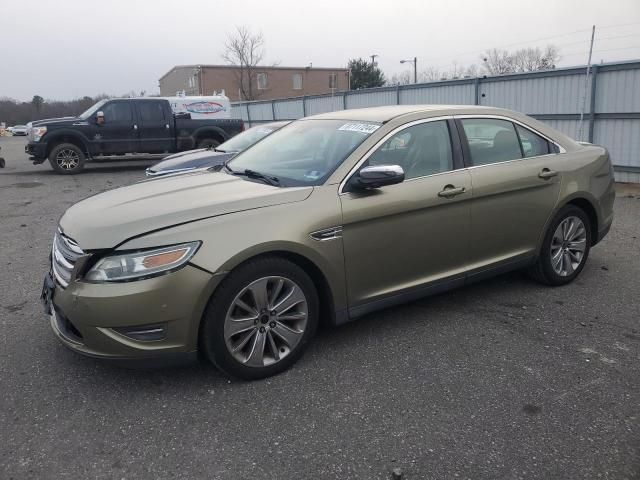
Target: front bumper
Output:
{"points": [[37, 151], [90, 318]]}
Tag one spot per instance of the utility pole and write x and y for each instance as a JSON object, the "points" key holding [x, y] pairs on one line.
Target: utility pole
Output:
{"points": [[586, 87]]}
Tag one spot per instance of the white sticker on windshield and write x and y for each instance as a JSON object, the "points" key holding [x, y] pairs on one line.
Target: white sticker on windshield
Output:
{"points": [[365, 128]]}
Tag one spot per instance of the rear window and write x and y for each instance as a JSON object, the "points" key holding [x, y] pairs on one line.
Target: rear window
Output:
{"points": [[491, 140]]}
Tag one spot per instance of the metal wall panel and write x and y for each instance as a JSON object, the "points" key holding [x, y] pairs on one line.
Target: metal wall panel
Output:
{"points": [[551, 93], [627, 177], [363, 99], [544, 95], [621, 137], [260, 111], [445, 94], [289, 109], [618, 91], [568, 127], [239, 111], [317, 105]]}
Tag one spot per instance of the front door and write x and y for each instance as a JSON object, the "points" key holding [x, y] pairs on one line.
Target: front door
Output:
{"points": [[403, 238], [516, 183], [154, 130], [119, 133]]}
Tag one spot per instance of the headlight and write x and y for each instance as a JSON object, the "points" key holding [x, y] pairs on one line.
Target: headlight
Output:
{"points": [[144, 264], [38, 133]]}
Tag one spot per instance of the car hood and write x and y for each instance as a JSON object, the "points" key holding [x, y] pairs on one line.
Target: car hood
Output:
{"points": [[108, 219], [195, 159]]}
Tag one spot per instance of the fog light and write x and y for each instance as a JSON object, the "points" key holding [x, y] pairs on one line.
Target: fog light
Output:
{"points": [[144, 333]]}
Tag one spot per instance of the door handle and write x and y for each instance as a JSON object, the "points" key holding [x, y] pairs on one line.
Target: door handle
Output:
{"points": [[546, 173], [450, 191]]}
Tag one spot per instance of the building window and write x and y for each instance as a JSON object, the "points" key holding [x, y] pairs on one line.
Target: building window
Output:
{"points": [[333, 80], [297, 81], [262, 81]]}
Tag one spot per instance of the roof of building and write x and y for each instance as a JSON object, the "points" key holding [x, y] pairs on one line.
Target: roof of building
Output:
{"points": [[261, 67]]}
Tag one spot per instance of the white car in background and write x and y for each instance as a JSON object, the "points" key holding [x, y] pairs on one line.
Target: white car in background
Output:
{"points": [[19, 130]]}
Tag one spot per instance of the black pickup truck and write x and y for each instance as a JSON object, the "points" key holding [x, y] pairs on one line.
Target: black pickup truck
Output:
{"points": [[116, 128]]}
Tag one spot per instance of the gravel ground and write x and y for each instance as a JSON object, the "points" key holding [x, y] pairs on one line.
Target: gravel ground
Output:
{"points": [[505, 379]]}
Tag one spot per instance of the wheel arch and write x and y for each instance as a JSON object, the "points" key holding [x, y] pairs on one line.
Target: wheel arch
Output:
{"points": [[586, 203], [215, 133], [65, 137]]}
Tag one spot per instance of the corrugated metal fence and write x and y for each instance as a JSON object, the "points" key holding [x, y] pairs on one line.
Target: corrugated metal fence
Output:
{"points": [[611, 117]]}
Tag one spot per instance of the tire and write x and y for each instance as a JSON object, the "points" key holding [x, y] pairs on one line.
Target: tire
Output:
{"points": [[558, 243], [208, 143], [67, 159], [286, 334]]}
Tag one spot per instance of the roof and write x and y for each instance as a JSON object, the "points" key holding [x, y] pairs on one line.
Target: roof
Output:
{"points": [[258, 67], [384, 114]]}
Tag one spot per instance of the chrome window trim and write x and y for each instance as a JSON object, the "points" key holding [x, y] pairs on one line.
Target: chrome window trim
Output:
{"points": [[375, 147], [513, 120]]}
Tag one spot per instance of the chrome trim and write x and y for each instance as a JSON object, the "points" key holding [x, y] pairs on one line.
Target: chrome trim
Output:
{"points": [[373, 149], [510, 119], [326, 234], [162, 173], [65, 254]]}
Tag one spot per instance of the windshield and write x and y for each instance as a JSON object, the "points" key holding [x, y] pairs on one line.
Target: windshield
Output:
{"points": [[91, 110], [247, 138], [305, 152]]}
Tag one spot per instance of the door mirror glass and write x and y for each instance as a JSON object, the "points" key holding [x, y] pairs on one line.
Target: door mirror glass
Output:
{"points": [[377, 176]]}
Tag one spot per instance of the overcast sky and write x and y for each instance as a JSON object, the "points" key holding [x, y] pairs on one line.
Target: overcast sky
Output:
{"points": [[65, 49]]}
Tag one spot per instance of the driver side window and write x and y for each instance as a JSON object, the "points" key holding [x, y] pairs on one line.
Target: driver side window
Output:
{"points": [[421, 150], [117, 112]]}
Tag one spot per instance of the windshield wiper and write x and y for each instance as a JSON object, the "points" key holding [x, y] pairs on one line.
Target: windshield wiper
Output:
{"points": [[218, 150], [270, 179]]}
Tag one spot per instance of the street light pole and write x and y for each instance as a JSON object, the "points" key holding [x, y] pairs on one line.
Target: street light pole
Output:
{"points": [[415, 68]]}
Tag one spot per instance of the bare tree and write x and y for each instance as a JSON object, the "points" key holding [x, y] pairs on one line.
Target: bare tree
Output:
{"points": [[532, 59], [402, 78], [245, 50], [430, 74], [499, 61]]}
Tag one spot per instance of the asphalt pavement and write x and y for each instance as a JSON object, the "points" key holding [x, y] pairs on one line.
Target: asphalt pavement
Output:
{"points": [[505, 379]]}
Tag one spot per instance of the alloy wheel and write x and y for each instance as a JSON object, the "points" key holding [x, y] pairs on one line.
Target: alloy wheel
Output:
{"points": [[266, 321], [568, 246], [67, 159]]}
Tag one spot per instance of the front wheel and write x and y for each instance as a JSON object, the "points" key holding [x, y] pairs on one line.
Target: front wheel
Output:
{"points": [[67, 158], [565, 248], [261, 319]]}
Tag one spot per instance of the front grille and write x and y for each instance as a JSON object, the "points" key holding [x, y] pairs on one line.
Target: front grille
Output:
{"points": [[64, 255]]}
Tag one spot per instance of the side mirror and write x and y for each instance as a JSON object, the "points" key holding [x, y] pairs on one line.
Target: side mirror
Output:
{"points": [[377, 176]]}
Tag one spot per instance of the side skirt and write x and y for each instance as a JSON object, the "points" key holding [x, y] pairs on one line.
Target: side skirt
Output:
{"points": [[433, 288]]}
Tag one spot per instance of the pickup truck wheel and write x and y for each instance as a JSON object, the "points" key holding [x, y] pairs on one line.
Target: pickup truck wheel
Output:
{"points": [[67, 158], [208, 143]]}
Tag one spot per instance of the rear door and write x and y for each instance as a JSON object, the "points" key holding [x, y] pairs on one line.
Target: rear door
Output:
{"points": [[516, 183], [119, 132], [154, 128]]}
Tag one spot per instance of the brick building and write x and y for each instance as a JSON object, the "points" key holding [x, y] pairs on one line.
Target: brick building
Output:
{"points": [[267, 82]]}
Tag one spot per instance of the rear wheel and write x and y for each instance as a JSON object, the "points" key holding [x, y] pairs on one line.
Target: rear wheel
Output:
{"points": [[261, 319], [67, 158], [208, 143], [565, 248]]}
